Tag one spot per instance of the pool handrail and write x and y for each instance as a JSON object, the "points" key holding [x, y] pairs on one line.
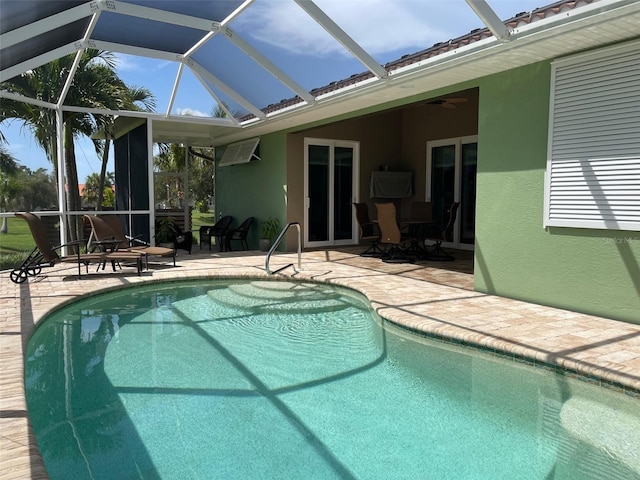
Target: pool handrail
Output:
{"points": [[275, 245]]}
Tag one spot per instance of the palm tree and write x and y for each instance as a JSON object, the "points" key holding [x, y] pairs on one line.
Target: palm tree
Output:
{"points": [[8, 164], [170, 159], [95, 85], [92, 194], [220, 111], [8, 188], [133, 98]]}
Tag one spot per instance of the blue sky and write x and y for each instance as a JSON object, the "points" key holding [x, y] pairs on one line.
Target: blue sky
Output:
{"points": [[386, 29]]}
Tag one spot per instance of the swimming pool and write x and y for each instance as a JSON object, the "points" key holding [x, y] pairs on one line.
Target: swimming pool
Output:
{"points": [[275, 379]]}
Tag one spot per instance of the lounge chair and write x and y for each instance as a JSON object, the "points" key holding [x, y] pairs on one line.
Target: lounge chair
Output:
{"points": [[45, 255], [369, 231], [107, 233], [239, 234], [136, 244], [217, 231]]}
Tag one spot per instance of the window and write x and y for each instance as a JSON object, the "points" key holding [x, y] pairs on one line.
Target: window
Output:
{"points": [[452, 166], [593, 166]]}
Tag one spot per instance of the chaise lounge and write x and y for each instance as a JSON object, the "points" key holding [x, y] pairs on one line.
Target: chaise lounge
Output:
{"points": [[107, 232], [46, 255]]}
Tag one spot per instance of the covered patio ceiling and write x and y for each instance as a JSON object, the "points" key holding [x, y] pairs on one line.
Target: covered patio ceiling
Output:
{"points": [[261, 97]]}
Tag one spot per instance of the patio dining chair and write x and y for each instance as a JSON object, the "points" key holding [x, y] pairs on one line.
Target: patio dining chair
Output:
{"points": [[217, 231], [369, 231], [46, 255], [239, 234], [182, 240], [391, 236], [442, 232]]}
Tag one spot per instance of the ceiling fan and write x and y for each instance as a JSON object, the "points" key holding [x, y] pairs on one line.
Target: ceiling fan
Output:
{"points": [[451, 102]]}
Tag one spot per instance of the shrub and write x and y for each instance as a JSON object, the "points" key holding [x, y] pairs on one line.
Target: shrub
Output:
{"points": [[202, 206], [9, 261]]}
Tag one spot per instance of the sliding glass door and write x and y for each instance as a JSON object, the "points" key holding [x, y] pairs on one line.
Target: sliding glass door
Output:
{"points": [[451, 176], [330, 184]]}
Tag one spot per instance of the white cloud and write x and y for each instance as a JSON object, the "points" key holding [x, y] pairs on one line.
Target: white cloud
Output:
{"points": [[127, 63], [379, 26], [191, 112], [132, 63], [284, 25], [382, 26]]}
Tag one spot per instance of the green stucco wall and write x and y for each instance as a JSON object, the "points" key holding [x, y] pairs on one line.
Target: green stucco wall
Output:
{"points": [[255, 189], [593, 271]]}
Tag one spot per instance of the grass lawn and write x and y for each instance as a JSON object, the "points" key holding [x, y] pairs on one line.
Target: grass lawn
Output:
{"points": [[198, 219], [17, 239], [15, 244]]}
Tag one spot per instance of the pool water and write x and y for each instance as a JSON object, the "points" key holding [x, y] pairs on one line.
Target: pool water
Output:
{"points": [[258, 379]]}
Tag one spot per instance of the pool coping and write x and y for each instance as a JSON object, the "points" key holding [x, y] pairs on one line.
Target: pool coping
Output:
{"points": [[529, 361]]}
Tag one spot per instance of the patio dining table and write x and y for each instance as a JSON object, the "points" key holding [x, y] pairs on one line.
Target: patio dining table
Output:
{"points": [[417, 230]]}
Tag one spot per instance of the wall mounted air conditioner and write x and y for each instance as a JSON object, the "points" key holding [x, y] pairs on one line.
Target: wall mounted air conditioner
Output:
{"points": [[240, 152]]}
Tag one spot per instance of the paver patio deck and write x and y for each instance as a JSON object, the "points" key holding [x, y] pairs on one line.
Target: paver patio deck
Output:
{"points": [[437, 299]]}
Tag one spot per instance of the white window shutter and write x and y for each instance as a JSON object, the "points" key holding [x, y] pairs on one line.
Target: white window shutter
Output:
{"points": [[593, 169], [240, 152]]}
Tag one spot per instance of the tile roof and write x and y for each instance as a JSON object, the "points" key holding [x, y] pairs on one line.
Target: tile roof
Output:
{"points": [[517, 21]]}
